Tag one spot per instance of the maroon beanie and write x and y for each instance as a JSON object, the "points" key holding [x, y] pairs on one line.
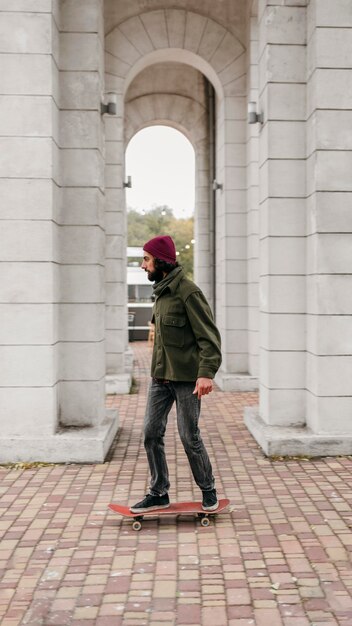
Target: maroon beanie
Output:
{"points": [[162, 247]]}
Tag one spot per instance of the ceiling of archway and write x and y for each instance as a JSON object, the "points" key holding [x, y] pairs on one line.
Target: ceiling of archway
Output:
{"points": [[232, 14], [172, 78], [175, 35], [167, 93]]}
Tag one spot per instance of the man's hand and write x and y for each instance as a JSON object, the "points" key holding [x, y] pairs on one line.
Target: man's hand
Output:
{"points": [[203, 387]]}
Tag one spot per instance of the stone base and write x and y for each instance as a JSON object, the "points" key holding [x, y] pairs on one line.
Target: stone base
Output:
{"points": [[68, 445], [294, 440], [118, 383], [236, 382]]}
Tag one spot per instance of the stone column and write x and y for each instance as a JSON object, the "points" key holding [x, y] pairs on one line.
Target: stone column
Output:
{"points": [[282, 191], [119, 357], [118, 380], [29, 253], [329, 225], [81, 217], [231, 229], [202, 134], [52, 369], [203, 236], [252, 216]]}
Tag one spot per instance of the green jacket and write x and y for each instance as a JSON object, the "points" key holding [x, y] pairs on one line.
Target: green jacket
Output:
{"points": [[187, 343]]}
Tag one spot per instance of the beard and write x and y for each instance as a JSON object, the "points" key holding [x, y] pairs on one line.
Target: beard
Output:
{"points": [[155, 276]]}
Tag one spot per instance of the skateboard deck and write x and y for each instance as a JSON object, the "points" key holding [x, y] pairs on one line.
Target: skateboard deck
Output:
{"points": [[176, 508]]}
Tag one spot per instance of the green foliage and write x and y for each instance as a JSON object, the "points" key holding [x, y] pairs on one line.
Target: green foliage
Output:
{"points": [[161, 221]]}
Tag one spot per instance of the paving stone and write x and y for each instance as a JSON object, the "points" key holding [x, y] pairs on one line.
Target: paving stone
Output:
{"points": [[280, 558]]}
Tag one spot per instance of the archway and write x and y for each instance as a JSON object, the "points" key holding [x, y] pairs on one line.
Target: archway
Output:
{"points": [[188, 112], [158, 39]]}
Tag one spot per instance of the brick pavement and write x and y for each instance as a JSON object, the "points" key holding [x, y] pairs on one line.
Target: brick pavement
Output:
{"points": [[282, 557]]}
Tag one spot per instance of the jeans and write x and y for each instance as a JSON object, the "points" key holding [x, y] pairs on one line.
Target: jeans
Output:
{"points": [[161, 397]]}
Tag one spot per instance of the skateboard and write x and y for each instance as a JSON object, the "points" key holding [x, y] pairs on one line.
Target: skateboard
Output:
{"points": [[176, 508]]}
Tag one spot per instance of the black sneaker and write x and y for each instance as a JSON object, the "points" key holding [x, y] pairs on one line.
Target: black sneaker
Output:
{"points": [[150, 503], [210, 500]]}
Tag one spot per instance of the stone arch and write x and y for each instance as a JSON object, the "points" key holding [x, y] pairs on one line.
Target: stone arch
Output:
{"points": [[161, 34], [177, 35], [177, 111], [167, 55], [151, 99]]}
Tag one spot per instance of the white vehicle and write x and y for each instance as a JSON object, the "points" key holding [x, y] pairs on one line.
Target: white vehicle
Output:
{"points": [[140, 291]]}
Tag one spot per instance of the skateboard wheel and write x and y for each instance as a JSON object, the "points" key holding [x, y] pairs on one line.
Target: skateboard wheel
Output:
{"points": [[136, 525], [205, 521]]}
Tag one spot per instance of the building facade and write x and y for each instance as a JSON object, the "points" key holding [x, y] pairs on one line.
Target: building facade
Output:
{"points": [[273, 222]]}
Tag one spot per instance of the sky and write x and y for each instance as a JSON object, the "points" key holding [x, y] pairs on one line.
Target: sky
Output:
{"points": [[161, 163]]}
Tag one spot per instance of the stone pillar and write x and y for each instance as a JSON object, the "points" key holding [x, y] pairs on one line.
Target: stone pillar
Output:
{"points": [[252, 216], [82, 219], [118, 380], [329, 224], [282, 75], [29, 254], [202, 222], [119, 357], [202, 132], [53, 317], [231, 230], [282, 191], [306, 397]]}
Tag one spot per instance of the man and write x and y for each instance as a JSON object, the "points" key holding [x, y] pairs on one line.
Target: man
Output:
{"points": [[186, 357]]}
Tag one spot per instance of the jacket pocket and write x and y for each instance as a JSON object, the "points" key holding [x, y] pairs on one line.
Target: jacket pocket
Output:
{"points": [[173, 330]]}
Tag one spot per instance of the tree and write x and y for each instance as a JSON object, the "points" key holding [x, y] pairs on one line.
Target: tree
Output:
{"points": [[161, 221]]}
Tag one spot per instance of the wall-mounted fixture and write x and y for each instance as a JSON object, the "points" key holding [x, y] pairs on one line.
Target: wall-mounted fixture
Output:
{"points": [[128, 183], [253, 116], [216, 185], [109, 106]]}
